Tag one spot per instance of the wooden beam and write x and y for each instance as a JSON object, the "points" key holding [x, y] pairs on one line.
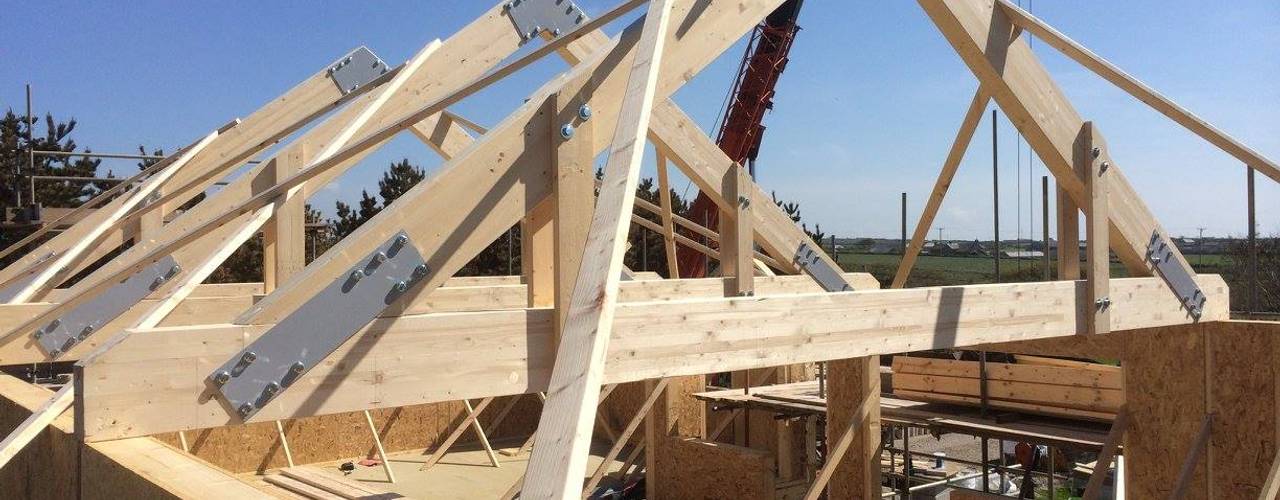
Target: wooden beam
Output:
{"points": [[1139, 90], [558, 462], [284, 238], [1114, 437], [1097, 185], [150, 380], [377, 442], [949, 166], [1030, 98], [573, 167], [1068, 236], [841, 447], [668, 218], [737, 244]]}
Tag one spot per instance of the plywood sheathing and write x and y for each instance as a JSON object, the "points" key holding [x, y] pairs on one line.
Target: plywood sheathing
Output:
{"points": [[677, 417], [849, 381], [1246, 364], [712, 471], [47, 467]]}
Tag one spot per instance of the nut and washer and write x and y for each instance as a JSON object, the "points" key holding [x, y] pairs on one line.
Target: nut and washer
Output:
{"points": [[245, 409], [584, 112], [401, 240], [420, 271], [401, 286], [221, 377], [297, 367], [357, 275], [379, 258], [1097, 152], [272, 388], [566, 131], [249, 357]]}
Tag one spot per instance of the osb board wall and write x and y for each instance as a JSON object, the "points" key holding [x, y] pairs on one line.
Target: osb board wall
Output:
{"points": [[1107, 346], [256, 447], [762, 427], [1246, 358], [46, 468], [849, 382], [693, 469]]}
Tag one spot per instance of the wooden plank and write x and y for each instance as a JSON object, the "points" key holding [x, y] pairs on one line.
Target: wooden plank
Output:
{"points": [[1058, 411], [284, 443], [1092, 375], [472, 415], [1139, 90], [35, 423], [301, 488], [948, 173], [382, 453], [625, 437], [738, 243], [284, 238], [1082, 398], [668, 218], [1028, 95], [1097, 185], [1114, 437], [148, 382], [343, 488], [564, 430], [480, 434], [1271, 488]]}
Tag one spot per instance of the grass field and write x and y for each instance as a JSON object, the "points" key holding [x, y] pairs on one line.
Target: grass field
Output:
{"points": [[938, 271]]}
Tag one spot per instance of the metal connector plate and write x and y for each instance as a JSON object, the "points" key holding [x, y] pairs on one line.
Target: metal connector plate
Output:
{"points": [[82, 321], [831, 279], [358, 68], [535, 16], [299, 342], [1180, 279]]}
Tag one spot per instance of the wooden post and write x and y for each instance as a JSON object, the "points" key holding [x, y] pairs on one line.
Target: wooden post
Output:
{"points": [[737, 246], [284, 236], [1068, 236], [575, 201], [1089, 158], [377, 441], [668, 218]]}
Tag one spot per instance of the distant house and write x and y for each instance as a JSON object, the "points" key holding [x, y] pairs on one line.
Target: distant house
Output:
{"points": [[970, 248], [1023, 254]]}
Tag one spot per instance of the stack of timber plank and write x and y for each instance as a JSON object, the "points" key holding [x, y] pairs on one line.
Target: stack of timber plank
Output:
{"points": [[309, 483], [1045, 386]]}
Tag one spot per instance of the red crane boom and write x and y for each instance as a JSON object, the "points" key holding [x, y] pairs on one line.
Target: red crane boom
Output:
{"points": [[742, 127]]}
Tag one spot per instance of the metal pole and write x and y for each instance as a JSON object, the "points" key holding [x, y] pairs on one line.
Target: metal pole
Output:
{"points": [[1044, 208], [904, 224], [1253, 247], [1051, 472], [31, 157], [986, 477], [982, 381], [995, 189]]}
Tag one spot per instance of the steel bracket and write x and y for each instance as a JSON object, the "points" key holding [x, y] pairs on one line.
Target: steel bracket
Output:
{"points": [[60, 335], [302, 340], [831, 279], [532, 17], [1181, 280], [358, 68]]}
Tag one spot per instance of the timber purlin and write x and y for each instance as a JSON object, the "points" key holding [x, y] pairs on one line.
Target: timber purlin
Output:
{"points": [[573, 324]]}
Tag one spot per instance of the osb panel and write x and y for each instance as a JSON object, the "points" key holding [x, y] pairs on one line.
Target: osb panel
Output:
{"points": [[1164, 370], [692, 469], [106, 479], [256, 447], [1108, 346], [1244, 404], [46, 467], [849, 381]]}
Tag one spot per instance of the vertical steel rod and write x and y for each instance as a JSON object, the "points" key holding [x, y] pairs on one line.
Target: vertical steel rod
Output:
{"points": [[1253, 246], [986, 459], [904, 224], [995, 190], [31, 155], [1044, 223]]}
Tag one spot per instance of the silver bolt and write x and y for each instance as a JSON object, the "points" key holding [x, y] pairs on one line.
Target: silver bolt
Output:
{"points": [[249, 357], [357, 275], [245, 409], [566, 132], [55, 353], [1105, 166], [584, 112], [297, 367], [1195, 312], [1096, 152], [69, 344], [221, 377], [380, 258], [1097, 303], [507, 6], [173, 271], [401, 240], [744, 201], [88, 330], [159, 281], [420, 271], [272, 388], [38, 334], [556, 32], [401, 286], [1106, 302]]}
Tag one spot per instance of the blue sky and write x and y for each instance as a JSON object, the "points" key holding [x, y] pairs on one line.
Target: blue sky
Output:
{"points": [[867, 108]]}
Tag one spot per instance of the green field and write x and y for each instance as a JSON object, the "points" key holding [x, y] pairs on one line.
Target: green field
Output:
{"points": [[937, 271]]}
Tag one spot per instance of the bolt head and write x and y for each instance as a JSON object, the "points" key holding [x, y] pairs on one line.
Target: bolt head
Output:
{"points": [[272, 388], [420, 271], [1105, 166], [401, 286], [584, 112], [221, 377], [38, 334], [357, 275], [401, 240], [566, 131], [1096, 152], [556, 32], [249, 357], [55, 353], [175, 270], [297, 367], [380, 257], [245, 409]]}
